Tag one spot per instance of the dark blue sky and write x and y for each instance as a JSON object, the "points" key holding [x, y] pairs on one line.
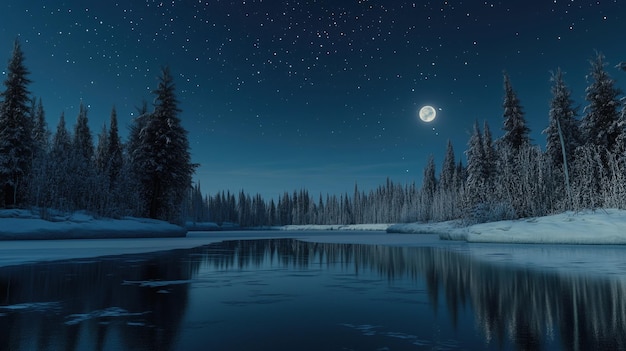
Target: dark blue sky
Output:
{"points": [[281, 95]]}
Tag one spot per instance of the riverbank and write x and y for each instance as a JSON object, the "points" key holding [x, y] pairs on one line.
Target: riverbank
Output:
{"points": [[17, 224], [602, 226], [592, 227]]}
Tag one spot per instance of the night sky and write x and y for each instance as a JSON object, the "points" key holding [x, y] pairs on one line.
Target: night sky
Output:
{"points": [[283, 95]]}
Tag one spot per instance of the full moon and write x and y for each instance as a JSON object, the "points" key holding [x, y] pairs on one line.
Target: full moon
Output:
{"points": [[428, 113]]}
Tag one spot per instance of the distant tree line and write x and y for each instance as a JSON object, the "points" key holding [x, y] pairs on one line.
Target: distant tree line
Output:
{"points": [[148, 176], [583, 166]]}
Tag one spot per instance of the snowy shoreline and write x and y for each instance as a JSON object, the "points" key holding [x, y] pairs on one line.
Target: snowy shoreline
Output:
{"points": [[597, 227], [26, 225], [588, 227]]}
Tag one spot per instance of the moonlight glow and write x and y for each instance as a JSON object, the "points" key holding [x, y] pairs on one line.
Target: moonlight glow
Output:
{"points": [[428, 113]]}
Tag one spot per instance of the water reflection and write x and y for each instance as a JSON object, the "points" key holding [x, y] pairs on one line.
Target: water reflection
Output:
{"points": [[208, 296], [85, 305]]}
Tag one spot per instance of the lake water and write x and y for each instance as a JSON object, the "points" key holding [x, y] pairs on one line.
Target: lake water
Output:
{"points": [[284, 294]]}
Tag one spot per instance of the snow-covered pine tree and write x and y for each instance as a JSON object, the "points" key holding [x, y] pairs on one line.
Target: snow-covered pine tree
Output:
{"points": [[562, 115], [39, 176], [562, 139], [59, 187], [444, 201], [103, 203], [16, 146], [130, 183], [446, 178], [476, 169], [101, 161], [162, 158], [460, 176], [137, 124], [429, 187], [600, 123], [82, 163], [620, 147], [83, 140], [114, 151], [491, 159], [515, 129], [61, 141], [40, 133], [271, 213]]}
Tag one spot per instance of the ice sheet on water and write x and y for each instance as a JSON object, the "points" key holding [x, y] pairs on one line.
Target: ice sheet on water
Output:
{"points": [[155, 283], [32, 306], [111, 312]]}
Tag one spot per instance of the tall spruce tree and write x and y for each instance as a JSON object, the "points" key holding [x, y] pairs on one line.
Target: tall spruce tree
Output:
{"points": [[15, 134], [562, 116], [446, 179], [491, 157], [137, 124], [82, 163], [515, 129], [162, 155], [60, 171], [39, 172], [61, 141], [114, 150], [102, 147], [600, 124], [476, 168], [429, 183], [40, 132], [83, 140]]}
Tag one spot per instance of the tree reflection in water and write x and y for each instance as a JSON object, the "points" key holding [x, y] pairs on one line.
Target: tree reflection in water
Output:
{"points": [[139, 302]]}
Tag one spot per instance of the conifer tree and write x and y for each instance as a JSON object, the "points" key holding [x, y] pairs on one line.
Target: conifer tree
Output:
{"points": [[40, 132], [62, 141], [82, 163], [83, 140], [515, 129], [39, 177], [600, 124], [446, 179], [476, 168], [562, 116], [162, 154], [114, 149], [429, 187], [490, 156], [101, 150], [60, 173], [137, 124], [16, 146]]}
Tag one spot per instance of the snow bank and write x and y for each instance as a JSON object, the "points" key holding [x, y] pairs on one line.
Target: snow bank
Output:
{"points": [[26, 225], [318, 227], [604, 226]]}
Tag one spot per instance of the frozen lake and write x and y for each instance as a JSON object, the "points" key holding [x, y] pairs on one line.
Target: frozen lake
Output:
{"points": [[319, 292]]}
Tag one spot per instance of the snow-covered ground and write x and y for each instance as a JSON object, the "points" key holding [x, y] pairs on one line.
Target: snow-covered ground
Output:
{"points": [[18, 224], [602, 226], [588, 227], [359, 227]]}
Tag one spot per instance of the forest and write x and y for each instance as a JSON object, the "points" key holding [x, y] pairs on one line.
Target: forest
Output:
{"points": [[148, 176], [582, 166]]}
